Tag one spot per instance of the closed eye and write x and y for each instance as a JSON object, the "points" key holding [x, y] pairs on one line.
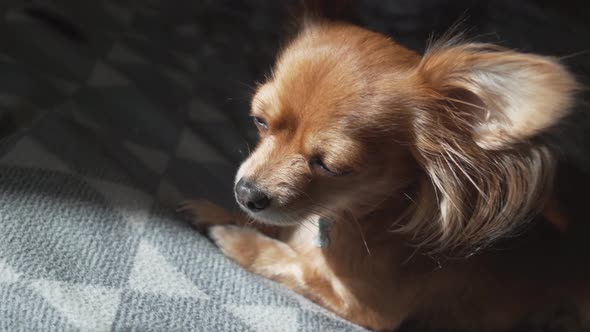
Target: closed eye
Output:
{"points": [[260, 123], [318, 163]]}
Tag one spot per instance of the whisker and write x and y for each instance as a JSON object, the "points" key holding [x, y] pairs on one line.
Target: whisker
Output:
{"points": [[573, 55], [252, 88], [298, 220], [360, 232]]}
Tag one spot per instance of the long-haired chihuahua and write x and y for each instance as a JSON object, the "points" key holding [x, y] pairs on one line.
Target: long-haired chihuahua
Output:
{"points": [[375, 163]]}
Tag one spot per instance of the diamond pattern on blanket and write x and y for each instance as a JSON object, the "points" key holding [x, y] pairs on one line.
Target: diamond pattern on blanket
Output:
{"points": [[22, 86], [201, 112], [168, 195], [45, 52], [152, 274], [155, 87], [178, 77], [90, 308], [24, 309], [122, 53], [187, 61], [67, 87], [265, 318], [133, 205], [149, 312], [119, 12], [198, 179], [56, 226], [105, 75], [195, 149], [154, 159], [323, 322], [81, 149], [7, 273], [7, 58], [28, 153]]}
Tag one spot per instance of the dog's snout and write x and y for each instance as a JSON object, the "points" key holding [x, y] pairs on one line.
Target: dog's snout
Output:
{"points": [[251, 197]]}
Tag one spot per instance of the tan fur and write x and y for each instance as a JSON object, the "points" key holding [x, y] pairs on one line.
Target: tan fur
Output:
{"points": [[472, 138], [438, 150]]}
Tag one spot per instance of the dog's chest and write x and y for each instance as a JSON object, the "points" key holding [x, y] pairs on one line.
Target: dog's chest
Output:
{"points": [[310, 235]]}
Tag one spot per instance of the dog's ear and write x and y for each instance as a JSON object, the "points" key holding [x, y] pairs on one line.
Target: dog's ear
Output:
{"points": [[480, 110], [510, 96]]}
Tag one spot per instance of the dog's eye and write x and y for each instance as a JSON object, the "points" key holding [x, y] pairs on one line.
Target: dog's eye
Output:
{"points": [[260, 123], [317, 162]]}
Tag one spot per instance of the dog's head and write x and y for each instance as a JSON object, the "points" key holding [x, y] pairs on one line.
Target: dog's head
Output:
{"points": [[349, 120], [319, 151]]}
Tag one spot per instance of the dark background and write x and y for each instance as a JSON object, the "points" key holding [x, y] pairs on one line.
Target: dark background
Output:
{"points": [[239, 39]]}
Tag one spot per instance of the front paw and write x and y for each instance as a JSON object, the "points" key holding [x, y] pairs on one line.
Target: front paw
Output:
{"points": [[203, 213], [238, 243]]}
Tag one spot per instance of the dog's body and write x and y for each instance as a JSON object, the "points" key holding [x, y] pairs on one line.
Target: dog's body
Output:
{"points": [[360, 135], [381, 283]]}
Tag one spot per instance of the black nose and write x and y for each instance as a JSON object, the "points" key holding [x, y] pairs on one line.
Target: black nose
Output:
{"points": [[251, 197]]}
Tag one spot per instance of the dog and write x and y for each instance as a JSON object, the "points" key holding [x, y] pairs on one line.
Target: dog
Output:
{"points": [[389, 186]]}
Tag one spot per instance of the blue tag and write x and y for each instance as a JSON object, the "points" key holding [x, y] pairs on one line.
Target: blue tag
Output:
{"points": [[324, 228]]}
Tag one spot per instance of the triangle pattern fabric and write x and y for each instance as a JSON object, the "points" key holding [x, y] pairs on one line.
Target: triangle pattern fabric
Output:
{"points": [[30, 154], [177, 77], [168, 195], [120, 13], [187, 61], [123, 54], [16, 16], [136, 36], [13, 101], [201, 112], [90, 308], [67, 87], [104, 75], [72, 109], [264, 318], [154, 159], [153, 274], [132, 204], [6, 58], [192, 148], [188, 30], [7, 273]]}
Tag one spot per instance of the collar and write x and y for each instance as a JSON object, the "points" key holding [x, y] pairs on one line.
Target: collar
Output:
{"points": [[323, 236]]}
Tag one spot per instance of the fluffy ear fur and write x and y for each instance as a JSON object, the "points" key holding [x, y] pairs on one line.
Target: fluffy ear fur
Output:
{"points": [[475, 135], [514, 96]]}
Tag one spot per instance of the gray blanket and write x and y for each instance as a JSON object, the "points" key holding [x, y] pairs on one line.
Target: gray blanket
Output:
{"points": [[111, 113], [117, 129]]}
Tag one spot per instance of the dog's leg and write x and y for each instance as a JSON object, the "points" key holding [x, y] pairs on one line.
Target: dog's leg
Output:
{"points": [[204, 214], [274, 260], [277, 261]]}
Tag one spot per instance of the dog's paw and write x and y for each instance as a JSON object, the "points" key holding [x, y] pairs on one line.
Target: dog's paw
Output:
{"points": [[238, 243], [203, 213]]}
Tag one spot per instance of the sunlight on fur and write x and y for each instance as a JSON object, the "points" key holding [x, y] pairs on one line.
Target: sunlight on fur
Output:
{"points": [[411, 159]]}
